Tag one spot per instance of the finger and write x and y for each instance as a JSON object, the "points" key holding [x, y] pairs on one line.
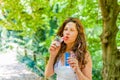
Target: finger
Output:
{"points": [[53, 46], [72, 65], [71, 60], [56, 43]]}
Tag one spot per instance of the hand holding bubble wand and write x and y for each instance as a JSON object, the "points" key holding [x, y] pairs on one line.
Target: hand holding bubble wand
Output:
{"points": [[58, 40]]}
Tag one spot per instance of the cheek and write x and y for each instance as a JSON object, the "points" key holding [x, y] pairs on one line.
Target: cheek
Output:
{"points": [[74, 37], [63, 33]]}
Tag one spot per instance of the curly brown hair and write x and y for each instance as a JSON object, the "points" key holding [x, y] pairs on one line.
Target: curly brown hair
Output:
{"points": [[79, 47]]}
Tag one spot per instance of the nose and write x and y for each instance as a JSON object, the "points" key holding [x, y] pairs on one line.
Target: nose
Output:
{"points": [[67, 32]]}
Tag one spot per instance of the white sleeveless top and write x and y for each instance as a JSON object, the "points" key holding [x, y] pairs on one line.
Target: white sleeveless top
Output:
{"points": [[64, 72]]}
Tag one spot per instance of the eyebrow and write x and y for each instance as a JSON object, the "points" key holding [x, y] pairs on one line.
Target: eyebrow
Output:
{"points": [[70, 28]]}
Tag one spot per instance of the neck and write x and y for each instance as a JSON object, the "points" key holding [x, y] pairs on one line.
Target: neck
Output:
{"points": [[69, 47]]}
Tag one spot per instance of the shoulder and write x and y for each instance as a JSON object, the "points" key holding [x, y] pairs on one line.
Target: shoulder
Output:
{"points": [[88, 58], [87, 55], [87, 70]]}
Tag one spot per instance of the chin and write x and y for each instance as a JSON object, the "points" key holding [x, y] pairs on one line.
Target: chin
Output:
{"points": [[66, 42]]}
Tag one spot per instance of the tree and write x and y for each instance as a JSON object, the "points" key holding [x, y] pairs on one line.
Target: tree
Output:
{"points": [[111, 55], [38, 20]]}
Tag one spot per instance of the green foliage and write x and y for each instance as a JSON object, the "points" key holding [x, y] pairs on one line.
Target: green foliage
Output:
{"points": [[118, 35], [30, 64], [38, 20], [95, 50]]}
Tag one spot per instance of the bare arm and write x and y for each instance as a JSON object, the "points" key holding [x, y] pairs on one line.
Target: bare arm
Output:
{"points": [[49, 71], [86, 73]]}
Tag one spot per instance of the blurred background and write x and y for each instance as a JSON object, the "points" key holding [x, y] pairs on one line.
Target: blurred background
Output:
{"points": [[32, 24]]}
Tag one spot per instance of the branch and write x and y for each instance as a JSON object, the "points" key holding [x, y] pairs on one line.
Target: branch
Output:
{"points": [[103, 6], [116, 9], [119, 9]]}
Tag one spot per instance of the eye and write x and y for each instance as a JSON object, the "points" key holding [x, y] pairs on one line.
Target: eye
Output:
{"points": [[72, 30], [65, 29]]}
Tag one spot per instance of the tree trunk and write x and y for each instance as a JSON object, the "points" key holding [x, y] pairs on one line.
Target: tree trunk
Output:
{"points": [[34, 57], [111, 55]]}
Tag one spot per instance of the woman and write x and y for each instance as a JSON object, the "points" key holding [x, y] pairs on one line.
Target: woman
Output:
{"points": [[74, 43]]}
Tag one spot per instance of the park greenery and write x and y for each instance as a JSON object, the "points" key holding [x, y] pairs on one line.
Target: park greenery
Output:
{"points": [[33, 23]]}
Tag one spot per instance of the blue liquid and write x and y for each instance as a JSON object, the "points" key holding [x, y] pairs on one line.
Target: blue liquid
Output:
{"points": [[67, 55]]}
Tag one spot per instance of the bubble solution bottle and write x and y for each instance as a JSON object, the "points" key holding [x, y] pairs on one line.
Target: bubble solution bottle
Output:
{"points": [[67, 55]]}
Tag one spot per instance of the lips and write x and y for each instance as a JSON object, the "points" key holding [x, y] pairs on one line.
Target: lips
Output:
{"points": [[65, 38]]}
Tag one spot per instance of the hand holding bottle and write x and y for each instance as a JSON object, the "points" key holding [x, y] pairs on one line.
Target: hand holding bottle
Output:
{"points": [[73, 62], [55, 46]]}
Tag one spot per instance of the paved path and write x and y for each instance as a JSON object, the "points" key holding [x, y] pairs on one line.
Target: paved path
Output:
{"points": [[11, 69]]}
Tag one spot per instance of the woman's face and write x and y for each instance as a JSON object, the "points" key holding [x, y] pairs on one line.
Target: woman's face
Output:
{"points": [[70, 33]]}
